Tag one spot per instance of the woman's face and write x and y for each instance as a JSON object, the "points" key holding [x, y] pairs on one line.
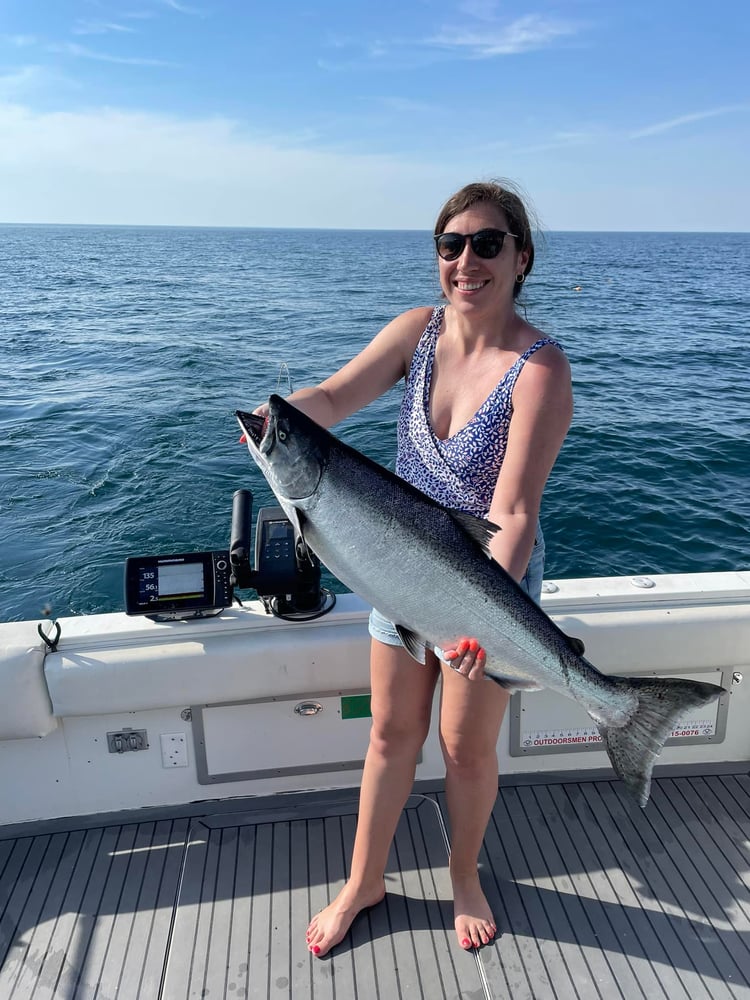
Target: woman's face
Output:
{"points": [[471, 282]]}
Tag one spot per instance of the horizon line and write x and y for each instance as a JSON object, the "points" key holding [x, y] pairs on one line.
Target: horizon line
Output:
{"points": [[346, 229]]}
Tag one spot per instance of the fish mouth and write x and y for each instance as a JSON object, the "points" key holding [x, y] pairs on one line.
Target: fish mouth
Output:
{"points": [[253, 425]]}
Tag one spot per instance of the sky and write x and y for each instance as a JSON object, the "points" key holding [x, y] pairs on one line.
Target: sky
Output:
{"points": [[608, 114]]}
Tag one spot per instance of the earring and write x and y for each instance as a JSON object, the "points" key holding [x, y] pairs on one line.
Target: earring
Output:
{"points": [[520, 278]]}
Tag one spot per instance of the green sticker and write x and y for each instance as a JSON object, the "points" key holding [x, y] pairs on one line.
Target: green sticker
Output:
{"points": [[355, 706]]}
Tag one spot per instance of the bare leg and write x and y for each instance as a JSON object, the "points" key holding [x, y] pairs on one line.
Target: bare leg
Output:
{"points": [[471, 713], [402, 693]]}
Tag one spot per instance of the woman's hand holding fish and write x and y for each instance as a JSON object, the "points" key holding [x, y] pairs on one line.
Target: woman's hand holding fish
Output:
{"points": [[467, 658], [259, 411]]}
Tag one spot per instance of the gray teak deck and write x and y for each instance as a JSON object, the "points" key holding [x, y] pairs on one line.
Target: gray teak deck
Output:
{"points": [[594, 898]]}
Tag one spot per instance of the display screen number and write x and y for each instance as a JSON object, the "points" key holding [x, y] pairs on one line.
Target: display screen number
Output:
{"points": [[180, 581]]}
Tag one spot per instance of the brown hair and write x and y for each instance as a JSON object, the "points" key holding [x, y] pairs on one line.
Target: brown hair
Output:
{"points": [[504, 198]]}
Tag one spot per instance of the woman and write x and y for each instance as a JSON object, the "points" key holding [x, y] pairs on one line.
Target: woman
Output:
{"points": [[486, 408]]}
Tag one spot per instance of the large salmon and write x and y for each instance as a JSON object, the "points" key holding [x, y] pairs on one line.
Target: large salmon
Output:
{"points": [[426, 568]]}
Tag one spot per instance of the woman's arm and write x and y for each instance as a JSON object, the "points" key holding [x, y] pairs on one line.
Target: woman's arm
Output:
{"points": [[542, 412]]}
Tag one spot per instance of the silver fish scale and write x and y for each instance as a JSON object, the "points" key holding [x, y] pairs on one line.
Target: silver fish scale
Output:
{"points": [[392, 545]]}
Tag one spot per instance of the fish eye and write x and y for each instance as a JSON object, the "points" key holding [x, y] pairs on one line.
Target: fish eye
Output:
{"points": [[281, 435]]}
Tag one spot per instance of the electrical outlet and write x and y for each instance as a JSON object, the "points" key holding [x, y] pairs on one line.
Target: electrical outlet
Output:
{"points": [[127, 740], [173, 750]]}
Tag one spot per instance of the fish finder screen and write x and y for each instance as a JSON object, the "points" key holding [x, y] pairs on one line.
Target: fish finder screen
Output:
{"points": [[176, 580], [181, 580]]}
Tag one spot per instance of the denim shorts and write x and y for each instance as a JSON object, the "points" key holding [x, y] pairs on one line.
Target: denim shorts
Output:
{"points": [[385, 631]]}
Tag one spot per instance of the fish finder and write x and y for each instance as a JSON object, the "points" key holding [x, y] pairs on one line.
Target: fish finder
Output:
{"points": [[286, 575], [189, 582]]}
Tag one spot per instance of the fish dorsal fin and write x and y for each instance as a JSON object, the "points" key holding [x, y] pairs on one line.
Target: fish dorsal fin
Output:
{"points": [[576, 644], [413, 645], [479, 528]]}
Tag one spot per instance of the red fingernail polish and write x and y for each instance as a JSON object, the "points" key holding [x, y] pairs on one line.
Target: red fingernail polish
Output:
{"points": [[473, 645]]}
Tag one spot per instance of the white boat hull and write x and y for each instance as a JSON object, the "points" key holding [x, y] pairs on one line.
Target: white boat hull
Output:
{"points": [[246, 704]]}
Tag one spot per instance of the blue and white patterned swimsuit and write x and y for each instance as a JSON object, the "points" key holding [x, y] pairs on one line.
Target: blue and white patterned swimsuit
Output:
{"points": [[459, 472]]}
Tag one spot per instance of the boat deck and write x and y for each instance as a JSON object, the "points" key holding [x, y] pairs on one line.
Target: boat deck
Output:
{"points": [[593, 898]]}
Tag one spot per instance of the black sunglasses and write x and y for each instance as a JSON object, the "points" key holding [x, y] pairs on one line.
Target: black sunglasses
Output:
{"points": [[487, 243]]}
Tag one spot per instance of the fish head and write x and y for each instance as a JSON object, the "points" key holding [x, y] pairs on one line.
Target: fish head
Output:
{"points": [[288, 447]]}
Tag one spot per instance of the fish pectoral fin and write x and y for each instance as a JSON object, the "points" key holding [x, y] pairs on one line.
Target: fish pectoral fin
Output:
{"points": [[296, 517], [512, 684], [478, 528], [576, 644], [413, 645], [302, 550]]}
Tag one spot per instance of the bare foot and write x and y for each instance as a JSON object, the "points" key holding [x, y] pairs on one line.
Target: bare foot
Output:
{"points": [[474, 922], [331, 925]]}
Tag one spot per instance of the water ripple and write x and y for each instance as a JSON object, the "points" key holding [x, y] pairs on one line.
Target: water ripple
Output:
{"points": [[125, 352]]}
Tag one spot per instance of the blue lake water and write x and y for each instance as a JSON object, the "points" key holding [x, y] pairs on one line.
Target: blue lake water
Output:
{"points": [[125, 351]]}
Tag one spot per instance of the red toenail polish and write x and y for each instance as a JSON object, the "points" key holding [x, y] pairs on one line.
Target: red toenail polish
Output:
{"points": [[466, 943], [316, 950]]}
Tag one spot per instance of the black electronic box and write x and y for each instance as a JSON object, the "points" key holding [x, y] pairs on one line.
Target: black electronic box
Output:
{"points": [[188, 581], [202, 584]]}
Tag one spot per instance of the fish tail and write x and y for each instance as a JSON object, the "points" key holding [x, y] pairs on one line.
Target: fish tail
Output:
{"points": [[634, 746]]}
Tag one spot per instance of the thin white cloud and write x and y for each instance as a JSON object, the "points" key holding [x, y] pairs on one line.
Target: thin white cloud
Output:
{"points": [[666, 126], [563, 141], [99, 28], [482, 34], [32, 81], [388, 56], [105, 166], [183, 8], [82, 52], [336, 41], [19, 41], [558, 140], [525, 34], [483, 10], [377, 49], [20, 81], [110, 166], [405, 105]]}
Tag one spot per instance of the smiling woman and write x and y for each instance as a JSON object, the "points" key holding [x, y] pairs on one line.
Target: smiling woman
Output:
{"points": [[487, 244], [486, 406]]}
